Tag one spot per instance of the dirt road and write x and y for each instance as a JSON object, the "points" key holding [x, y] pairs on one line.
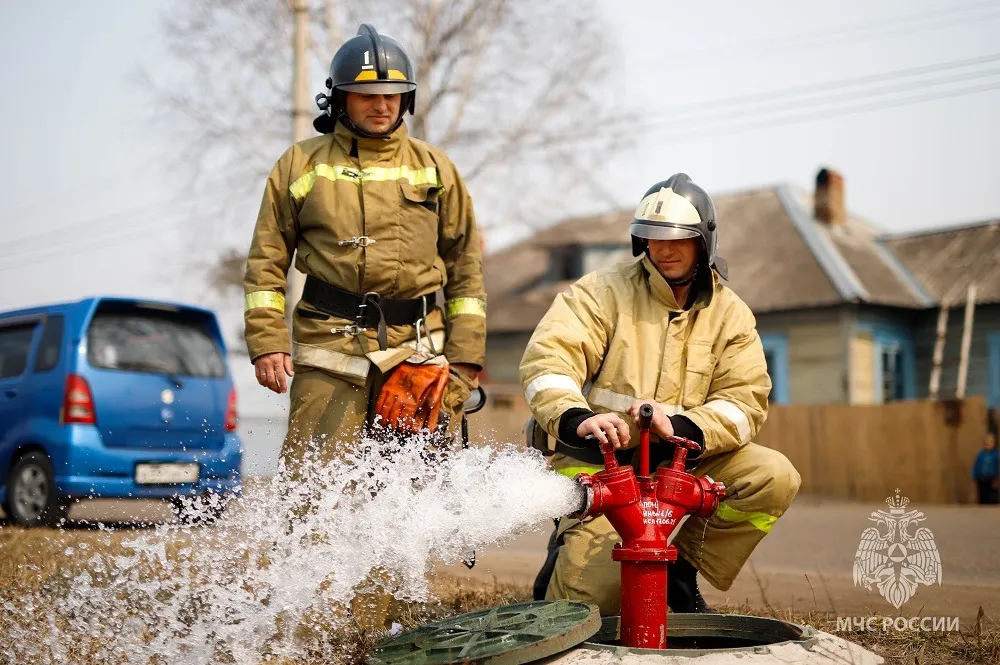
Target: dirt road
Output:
{"points": [[819, 539]]}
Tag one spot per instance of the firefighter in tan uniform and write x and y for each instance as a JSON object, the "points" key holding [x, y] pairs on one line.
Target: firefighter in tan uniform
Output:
{"points": [[662, 330], [378, 222]]}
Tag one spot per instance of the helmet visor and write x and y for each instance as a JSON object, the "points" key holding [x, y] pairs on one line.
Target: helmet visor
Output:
{"points": [[652, 231], [379, 87]]}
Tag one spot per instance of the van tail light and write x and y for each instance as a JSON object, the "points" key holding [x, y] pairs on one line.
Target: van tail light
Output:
{"points": [[78, 404], [232, 416]]}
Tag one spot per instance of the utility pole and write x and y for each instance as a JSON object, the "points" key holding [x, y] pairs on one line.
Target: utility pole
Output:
{"points": [[942, 331], [963, 362], [300, 122]]}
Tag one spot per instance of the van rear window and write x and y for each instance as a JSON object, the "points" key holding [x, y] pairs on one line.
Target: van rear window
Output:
{"points": [[15, 343], [153, 342]]}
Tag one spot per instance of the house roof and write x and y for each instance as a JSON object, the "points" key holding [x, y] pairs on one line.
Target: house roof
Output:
{"points": [[946, 261], [780, 258]]}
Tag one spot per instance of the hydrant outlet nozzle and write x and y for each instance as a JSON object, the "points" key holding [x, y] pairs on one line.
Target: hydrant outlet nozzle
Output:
{"points": [[586, 483]]}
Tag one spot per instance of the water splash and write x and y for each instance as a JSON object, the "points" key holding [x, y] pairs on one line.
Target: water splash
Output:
{"points": [[286, 561]]}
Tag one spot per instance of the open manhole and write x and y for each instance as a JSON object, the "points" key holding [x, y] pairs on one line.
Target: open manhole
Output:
{"points": [[509, 635], [696, 634]]}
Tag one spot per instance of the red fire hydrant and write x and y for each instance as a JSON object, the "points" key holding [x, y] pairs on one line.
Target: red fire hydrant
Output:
{"points": [[646, 511]]}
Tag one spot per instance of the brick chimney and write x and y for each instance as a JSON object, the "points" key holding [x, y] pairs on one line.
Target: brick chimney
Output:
{"points": [[828, 200]]}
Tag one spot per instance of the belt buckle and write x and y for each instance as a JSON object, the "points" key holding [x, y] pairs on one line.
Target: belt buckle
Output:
{"points": [[350, 330], [374, 298]]}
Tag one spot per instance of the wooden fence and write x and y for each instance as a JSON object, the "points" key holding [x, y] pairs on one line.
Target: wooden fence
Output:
{"points": [[924, 448], [866, 452]]}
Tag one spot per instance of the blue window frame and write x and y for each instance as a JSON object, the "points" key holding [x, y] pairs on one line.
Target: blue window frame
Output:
{"points": [[895, 364], [994, 369], [776, 353]]}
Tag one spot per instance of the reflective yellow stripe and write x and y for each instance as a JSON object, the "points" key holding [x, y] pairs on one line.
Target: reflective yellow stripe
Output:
{"points": [[733, 414], [304, 184], [370, 75], [268, 299], [550, 381], [425, 176], [301, 186], [457, 306], [316, 356], [572, 471], [762, 521]]}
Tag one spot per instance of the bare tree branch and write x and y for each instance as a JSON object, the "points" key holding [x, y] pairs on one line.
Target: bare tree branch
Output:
{"points": [[515, 90]]}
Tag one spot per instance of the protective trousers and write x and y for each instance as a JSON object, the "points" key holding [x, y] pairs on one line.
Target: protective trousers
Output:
{"points": [[326, 418], [760, 485]]}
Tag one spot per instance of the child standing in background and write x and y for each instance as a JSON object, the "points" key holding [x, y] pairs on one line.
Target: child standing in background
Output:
{"points": [[986, 470]]}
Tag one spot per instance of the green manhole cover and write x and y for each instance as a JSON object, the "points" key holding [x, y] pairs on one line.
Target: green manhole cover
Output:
{"points": [[508, 635]]}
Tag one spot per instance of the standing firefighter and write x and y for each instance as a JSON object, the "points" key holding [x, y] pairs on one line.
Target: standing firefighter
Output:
{"points": [[662, 330], [378, 222]]}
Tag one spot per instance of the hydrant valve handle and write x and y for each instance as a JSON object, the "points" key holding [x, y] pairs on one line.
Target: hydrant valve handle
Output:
{"points": [[693, 446]]}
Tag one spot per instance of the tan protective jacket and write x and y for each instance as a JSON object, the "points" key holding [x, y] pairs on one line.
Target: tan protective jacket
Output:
{"points": [[618, 335], [408, 200]]}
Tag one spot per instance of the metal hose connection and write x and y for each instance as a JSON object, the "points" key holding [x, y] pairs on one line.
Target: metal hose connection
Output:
{"points": [[584, 495]]}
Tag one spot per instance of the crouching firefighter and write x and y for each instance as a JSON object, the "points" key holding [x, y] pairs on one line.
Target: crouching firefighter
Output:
{"points": [[661, 330]]}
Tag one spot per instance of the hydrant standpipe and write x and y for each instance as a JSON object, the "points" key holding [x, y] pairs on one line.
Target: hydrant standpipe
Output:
{"points": [[646, 511]]}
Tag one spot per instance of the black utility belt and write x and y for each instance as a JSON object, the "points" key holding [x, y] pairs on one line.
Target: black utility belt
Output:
{"points": [[367, 310]]}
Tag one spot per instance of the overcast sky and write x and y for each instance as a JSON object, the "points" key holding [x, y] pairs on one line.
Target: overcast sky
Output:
{"points": [[88, 209]]}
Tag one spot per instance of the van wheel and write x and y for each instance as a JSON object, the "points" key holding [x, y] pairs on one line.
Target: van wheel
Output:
{"points": [[31, 493], [199, 510]]}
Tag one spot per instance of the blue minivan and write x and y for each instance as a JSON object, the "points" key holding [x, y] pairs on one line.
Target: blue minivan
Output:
{"points": [[114, 397]]}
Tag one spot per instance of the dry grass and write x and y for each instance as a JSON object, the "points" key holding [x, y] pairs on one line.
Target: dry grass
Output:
{"points": [[40, 561]]}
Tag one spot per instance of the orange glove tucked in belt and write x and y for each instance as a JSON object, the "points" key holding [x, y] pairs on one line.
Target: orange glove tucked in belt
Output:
{"points": [[410, 399]]}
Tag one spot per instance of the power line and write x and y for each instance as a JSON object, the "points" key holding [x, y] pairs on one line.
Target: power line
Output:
{"points": [[709, 117], [853, 32], [109, 225], [780, 121], [794, 91], [790, 99], [143, 210], [57, 250]]}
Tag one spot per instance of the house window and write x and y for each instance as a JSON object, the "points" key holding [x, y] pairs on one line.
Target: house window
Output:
{"points": [[895, 365], [892, 372], [564, 264], [776, 356], [603, 256]]}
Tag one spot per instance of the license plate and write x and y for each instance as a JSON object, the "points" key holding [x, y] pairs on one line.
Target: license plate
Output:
{"points": [[165, 474]]}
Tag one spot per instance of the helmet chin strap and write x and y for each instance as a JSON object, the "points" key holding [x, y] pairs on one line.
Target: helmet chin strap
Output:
{"points": [[686, 280]]}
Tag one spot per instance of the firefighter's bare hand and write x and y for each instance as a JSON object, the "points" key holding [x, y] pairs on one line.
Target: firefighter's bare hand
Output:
{"points": [[605, 427], [660, 424], [271, 370], [470, 372]]}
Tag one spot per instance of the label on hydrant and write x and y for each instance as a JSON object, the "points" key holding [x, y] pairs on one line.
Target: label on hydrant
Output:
{"points": [[652, 513]]}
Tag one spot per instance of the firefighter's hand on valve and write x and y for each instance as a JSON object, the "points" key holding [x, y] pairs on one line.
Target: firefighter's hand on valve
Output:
{"points": [[605, 427], [271, 370], [660, 425]]}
